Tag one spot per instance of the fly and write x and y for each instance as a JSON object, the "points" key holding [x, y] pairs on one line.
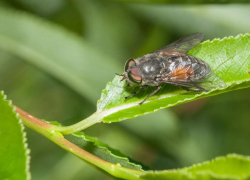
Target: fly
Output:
{"points": [[171, 65]]}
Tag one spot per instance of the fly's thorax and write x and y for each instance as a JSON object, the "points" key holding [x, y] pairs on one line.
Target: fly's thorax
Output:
{"points": [[150, 67]]}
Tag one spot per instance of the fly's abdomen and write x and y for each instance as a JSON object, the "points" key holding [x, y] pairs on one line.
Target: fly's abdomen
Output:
{"points": [[185, 68]]}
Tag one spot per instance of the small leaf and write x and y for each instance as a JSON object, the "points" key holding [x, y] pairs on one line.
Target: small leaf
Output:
{"points": [[14, 159], [229, 59], [101, 150], [230, 167]]}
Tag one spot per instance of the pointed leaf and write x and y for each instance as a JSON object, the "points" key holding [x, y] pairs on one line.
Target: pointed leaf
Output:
{"points": [[228, 168], [228, 58]]}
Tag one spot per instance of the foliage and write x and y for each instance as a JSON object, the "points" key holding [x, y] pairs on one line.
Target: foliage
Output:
{"points": [[228, 58], [55, 61], [13, 151], [230, 167]]}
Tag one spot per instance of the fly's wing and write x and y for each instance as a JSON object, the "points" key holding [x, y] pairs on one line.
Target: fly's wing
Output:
{"points": [[193, 76], [211, 82], [184, 44]]}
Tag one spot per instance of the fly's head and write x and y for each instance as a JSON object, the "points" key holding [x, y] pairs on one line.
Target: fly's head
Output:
{"points": [[132, 73]]}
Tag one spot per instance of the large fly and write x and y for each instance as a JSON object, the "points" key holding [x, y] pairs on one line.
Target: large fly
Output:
{"points": [[171, 65]]}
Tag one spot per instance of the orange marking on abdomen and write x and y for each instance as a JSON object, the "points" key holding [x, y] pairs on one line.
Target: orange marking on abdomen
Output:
{"points": [[182, 73]]}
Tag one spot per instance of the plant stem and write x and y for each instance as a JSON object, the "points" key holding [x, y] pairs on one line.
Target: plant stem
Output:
{"points": [[51, 133], [91, 120], [34, 123]]}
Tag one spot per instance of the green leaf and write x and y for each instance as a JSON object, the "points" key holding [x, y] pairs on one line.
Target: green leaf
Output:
{"points": [[14, 159], [228, 58], [101, 150], [230, 167], [57, 51], [97, 155]]}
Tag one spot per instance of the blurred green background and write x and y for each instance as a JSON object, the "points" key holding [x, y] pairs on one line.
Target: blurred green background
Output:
{"points": [[108, 33]]}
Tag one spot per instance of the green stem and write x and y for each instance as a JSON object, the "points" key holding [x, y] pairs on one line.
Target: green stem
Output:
{"points": [[91, 120], [49, 131]]}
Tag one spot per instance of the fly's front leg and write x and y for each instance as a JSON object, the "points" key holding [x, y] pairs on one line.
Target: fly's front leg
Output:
{"points": [[134, 93], [151, 94]]}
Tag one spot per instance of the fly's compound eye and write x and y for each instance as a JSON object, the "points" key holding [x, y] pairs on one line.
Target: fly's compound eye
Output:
{"points": [[134, 74]]}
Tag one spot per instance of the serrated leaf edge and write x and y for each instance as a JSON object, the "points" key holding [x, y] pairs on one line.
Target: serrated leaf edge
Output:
{"points": [[135, 103], [25, 145], [106, 147], [185, 171]]}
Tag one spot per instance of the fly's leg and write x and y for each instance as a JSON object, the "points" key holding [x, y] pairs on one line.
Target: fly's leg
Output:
{"points": [[134, 93], [151, 94], [123, 77], [119, 74]]}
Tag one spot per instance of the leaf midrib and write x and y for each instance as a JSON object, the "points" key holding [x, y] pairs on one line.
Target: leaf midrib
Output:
{"points": [[159, 97]]}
